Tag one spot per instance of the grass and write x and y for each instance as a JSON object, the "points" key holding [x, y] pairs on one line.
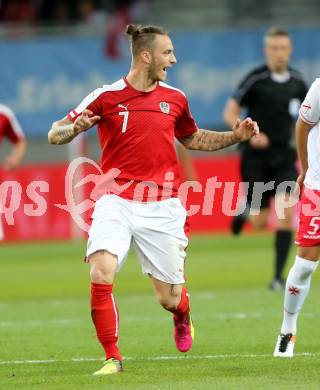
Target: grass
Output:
{"points": [[48, 342]]}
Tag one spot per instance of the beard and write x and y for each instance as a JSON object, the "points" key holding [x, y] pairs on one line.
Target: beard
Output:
{"points": [[154, 72]]}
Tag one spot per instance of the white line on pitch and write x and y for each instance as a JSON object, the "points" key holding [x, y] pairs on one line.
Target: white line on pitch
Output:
{"points": [[63, 321], [153, 358], [215, 317]]}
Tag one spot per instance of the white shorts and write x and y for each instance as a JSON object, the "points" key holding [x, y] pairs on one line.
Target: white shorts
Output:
{"points": [[155, 228]]}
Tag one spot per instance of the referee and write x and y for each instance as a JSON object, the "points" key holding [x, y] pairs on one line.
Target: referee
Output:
{"points": [[271, 94]]}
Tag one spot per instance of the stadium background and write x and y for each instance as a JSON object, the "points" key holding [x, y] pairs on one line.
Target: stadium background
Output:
{"points": [[48, 69], [53, 54]]}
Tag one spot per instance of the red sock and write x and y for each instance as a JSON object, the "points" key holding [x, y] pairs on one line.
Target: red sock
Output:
{"points": [[181, 312], [105, 316]]}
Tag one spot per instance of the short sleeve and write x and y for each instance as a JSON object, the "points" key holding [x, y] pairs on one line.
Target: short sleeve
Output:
{"points": [[310, 108], [242, 94], [91, 102], [185, 125], [10, 124], [304, 90]]}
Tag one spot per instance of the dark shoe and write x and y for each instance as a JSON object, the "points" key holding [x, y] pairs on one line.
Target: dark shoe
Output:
{"points": [[237, 224]]}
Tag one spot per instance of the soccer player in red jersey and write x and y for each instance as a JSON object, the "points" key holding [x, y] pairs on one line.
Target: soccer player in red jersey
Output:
{"points": [[138, 118], [11, 129], [308, 235]]}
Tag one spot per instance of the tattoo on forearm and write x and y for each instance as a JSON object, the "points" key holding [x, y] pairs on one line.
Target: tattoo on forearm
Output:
{"points": [[209, 140], [63, 134]]}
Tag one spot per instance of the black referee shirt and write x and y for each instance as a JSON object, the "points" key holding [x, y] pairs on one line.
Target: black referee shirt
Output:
{"points": [[273, 102]]}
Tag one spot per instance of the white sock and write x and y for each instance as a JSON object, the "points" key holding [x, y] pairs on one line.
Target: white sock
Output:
{"points": [[297, 288]]}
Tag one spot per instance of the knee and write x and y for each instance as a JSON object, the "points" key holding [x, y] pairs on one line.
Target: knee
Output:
{"points": [[259, 221], [169, 302], [258, 224], [303, 268], [101, 275], [285, 224], [304, 272], [103, 267]]}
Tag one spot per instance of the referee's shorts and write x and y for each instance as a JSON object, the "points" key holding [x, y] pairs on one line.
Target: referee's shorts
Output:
{"points": [[262, 167]]}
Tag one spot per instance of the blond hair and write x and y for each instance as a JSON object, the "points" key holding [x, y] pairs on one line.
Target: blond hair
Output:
{"points": [[142, 37], [275, 32]]}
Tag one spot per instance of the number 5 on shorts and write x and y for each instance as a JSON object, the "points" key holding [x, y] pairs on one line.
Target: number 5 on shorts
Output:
{"points": [[314, 223]]}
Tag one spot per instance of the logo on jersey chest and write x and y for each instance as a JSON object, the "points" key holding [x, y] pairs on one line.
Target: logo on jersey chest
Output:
{"points": [[165, 107], [122, 106]]}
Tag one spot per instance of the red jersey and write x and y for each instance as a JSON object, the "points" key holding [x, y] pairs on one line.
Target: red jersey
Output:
{"points": [[136, 133], [9, 125]]}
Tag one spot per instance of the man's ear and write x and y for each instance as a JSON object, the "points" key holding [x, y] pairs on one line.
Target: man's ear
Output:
{"points": [[145, 56]]}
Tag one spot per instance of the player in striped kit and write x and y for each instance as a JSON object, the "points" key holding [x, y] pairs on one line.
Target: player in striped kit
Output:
{"points": [[138, 118], [308, 235]]}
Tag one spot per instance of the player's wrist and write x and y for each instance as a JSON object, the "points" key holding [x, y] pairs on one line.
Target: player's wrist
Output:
{"points": [[235, 137], [79, 128], [76, 129]]}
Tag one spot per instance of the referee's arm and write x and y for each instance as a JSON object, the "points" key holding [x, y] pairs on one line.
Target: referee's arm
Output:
{"points": [[231, 112]]}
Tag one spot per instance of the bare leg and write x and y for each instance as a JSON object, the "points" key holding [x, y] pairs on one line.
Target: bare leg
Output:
{"points": [[174, 298], [260, 221]]}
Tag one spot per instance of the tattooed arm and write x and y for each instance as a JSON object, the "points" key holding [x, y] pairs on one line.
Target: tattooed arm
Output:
{"points": [[61, 132], [64, 130], [208, 140]]}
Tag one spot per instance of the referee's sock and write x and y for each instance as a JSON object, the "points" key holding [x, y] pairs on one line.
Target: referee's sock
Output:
{"points": [[282, 246]]}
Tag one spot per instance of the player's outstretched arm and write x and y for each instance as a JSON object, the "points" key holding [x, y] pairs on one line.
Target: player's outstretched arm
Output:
{"points": [[61, 132], [208, 140], [64, 130]]}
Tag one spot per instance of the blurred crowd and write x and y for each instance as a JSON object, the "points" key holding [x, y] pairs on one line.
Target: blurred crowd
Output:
{"points": [[109, 15], [62, 12]]}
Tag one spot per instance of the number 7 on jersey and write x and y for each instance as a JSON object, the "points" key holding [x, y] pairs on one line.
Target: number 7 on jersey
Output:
{"points": [[125, 117]]}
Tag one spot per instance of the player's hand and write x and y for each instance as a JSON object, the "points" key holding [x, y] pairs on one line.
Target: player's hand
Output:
{"points": [[10, 163], [261, 142], [85, 121], [246, 129]]}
